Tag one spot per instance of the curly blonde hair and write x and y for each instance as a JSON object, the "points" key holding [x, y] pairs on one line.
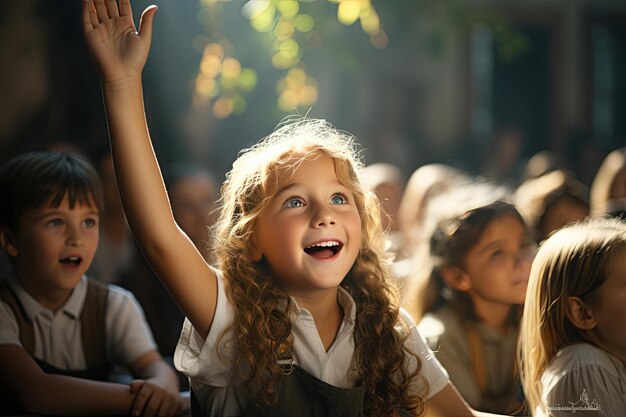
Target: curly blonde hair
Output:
{"points": [[262, 323]]}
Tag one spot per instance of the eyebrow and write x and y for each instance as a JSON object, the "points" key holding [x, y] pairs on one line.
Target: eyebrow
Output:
{"points": [[297, 184], [491, 245], [498, 242], [286, 188], [57, 212]]}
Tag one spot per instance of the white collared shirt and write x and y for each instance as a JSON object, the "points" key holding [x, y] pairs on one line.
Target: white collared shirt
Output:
{"points": [[58, 334], [222, 393]]}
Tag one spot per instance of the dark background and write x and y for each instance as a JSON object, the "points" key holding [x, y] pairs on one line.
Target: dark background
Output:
{"points": [[479, 84]]}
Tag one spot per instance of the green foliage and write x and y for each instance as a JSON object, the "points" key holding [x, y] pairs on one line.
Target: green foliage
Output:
{"points": [[278, 38], [283, 30]]}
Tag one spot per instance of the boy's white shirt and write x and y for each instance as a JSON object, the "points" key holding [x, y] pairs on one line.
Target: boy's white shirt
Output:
{"points": [[221, 391], [58, 335]]}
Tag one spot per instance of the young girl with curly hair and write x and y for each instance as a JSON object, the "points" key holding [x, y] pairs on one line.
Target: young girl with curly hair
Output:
{"points": [[572, 340], [297, 314]]}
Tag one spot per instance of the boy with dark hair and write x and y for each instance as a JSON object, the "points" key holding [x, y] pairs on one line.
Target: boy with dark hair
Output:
{"points": [[60, 332]]}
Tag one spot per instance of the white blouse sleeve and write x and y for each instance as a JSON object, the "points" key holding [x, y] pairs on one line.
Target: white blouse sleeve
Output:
{"points": [[432, 370], [199, 358]]}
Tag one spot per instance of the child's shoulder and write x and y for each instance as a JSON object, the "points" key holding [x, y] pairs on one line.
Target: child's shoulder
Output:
{"points": [[442, 323], [119, 301], [584, 354], [583, 373], [583, 361], [116, 303]]}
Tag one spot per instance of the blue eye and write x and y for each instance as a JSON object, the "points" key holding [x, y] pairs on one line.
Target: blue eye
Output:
{"points": [[294, 203], [527, 250], [90, 222], [55, 222], [338, 199], [497, 254]]}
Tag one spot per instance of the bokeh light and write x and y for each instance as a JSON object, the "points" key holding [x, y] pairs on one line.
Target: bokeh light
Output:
{"points": [[286, 29]]}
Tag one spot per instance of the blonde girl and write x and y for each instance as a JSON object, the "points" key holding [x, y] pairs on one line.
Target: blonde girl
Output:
{"points": [[468, 300], [297, 316], [572, 342]]}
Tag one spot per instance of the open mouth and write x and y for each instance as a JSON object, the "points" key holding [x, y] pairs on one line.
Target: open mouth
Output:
{"points": [[323, 250], [72, 260]]}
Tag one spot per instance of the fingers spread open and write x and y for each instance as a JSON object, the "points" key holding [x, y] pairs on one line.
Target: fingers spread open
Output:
{"points": [[93, 15], [112, 8], [125, 9], [101, 10], [86, 16]]}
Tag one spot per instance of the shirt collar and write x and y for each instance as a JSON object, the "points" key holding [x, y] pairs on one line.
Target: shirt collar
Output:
{"points": [[347, 302], [344, 299], [73, 306]]}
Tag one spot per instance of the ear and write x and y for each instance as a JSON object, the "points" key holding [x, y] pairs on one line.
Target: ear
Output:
{"points": [[7, 241], [580, 314], [455, 278]]}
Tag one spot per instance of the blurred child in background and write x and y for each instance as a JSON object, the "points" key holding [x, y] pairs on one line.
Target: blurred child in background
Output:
{"points": [[387, 183], [551, 201], [608, 189], [470, 296]]}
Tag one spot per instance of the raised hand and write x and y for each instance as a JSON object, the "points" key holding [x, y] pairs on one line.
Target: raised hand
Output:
{"points": [[119, 51], [120, 54]]}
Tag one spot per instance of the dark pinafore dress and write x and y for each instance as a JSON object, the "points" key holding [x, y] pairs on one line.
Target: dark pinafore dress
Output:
{"points": [[93, 336], [301, 394]]}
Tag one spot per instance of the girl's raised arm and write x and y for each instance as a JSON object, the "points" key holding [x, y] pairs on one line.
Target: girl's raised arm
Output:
{"points": [[120, 53]]}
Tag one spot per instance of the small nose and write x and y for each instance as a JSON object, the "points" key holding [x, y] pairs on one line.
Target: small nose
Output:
{"points": [[323, 217], [525, 256], [326, 221], [74, 236]]}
